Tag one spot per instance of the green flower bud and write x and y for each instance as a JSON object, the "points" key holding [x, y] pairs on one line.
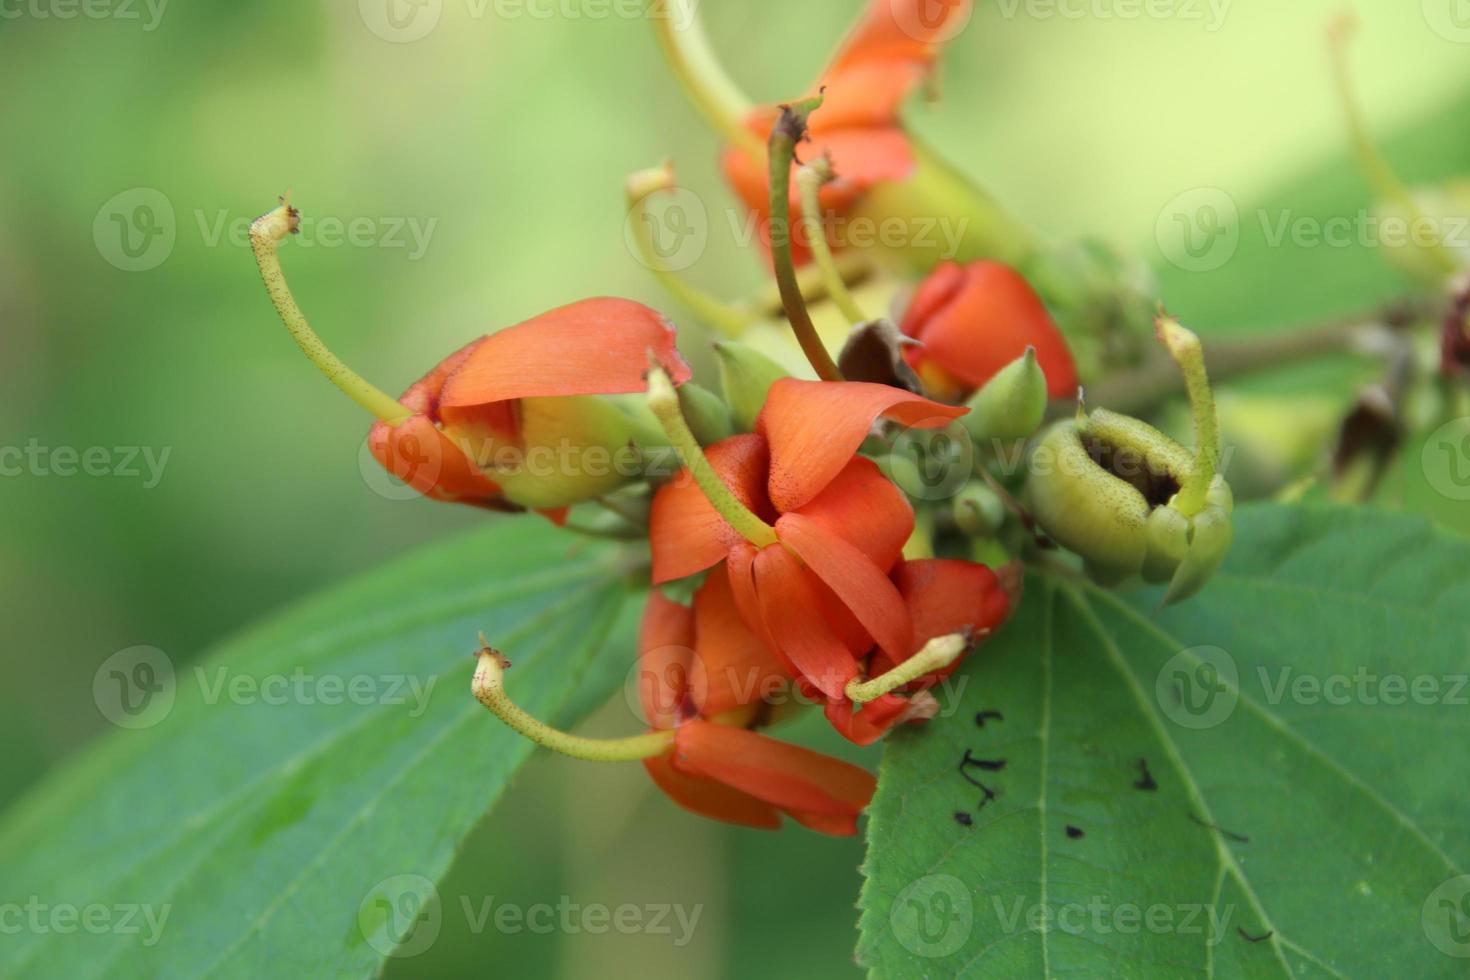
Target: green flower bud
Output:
{"points": [[708, 416], [1011, 405], [978, 511], [746, 375]]}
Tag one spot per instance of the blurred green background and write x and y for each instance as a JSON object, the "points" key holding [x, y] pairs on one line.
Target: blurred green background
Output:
{"points": [[479, 168]]}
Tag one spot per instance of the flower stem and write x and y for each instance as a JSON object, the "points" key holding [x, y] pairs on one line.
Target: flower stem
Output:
{"points": [[809, 181], [1187, 352], [489, 688], [714, 94], [638, 187], [937, 654], [789, 130], [1375, 167], [266, 233], [663, 400]]}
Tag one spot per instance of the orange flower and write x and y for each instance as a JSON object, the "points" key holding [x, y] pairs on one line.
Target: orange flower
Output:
{"points": [[817, 589], [972, 320], [702, 674], [888, 54], [515, 419], [943, 596]]}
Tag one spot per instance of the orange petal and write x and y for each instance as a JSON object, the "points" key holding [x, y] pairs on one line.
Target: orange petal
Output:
{"points": [[791, 613], [593, 347], [424, 457], [665, 659], [868, 723], [946, 596], [863, 587], [973, 326], [685, 533], [732, 667], [906, 32], [815, 427], [817, 790], [710, 798], [863, 506]]}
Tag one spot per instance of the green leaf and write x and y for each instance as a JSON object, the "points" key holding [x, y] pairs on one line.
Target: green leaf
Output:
{"points": [[297, 838], [1342, 834]]}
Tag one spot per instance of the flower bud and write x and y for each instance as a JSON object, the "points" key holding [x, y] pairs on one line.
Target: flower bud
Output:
{"points": [[1011, 405], [978, 511], [708, 416], [746, 376]]}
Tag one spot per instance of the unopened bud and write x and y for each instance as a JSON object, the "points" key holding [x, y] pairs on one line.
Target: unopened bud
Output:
{"points": [[1011, 405], [978, 511], [746, 375]]}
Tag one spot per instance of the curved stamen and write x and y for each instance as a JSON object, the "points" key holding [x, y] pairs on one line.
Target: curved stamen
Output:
{"points": [[637, 189], [937, 654], [489, 688], [1375, 167], [1187, 352], [719, 100], [663, 400], [809, 181], [789, 130], [266, 232]]}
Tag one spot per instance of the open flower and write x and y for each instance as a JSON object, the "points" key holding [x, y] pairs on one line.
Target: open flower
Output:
{"points": [[525, 417], [702, 675], [808, 530], [944, 597], [973, 320], [880, 169]]}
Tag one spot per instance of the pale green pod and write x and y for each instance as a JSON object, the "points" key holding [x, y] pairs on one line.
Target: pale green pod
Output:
{"points": [[1086, 508], [1168, 543], [1209, 544]]}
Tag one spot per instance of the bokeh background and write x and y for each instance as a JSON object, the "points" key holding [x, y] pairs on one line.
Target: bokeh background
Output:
{"points": [[478, 168]]}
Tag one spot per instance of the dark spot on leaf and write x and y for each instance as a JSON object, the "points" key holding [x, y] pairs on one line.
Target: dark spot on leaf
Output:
{"points": [[1145, 778], [1074, 832], [963, 818], [1254, 939], [982, 717]]}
